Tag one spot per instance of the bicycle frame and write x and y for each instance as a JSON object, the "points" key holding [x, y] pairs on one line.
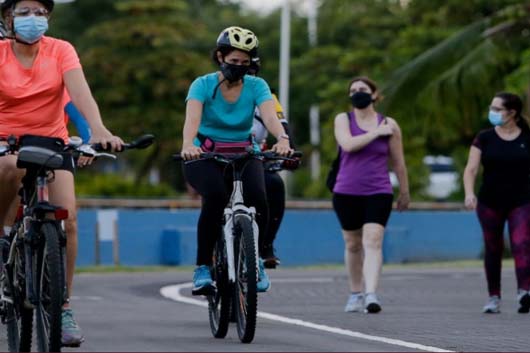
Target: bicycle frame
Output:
{"points": [[235, 209]]}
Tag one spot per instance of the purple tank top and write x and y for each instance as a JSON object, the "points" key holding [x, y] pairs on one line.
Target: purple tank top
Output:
{"points": [[364, 172]]}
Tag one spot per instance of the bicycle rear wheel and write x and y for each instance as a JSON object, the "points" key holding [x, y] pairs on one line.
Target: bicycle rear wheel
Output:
{"points": [[246, 296], [219, 303], [50, 282]]}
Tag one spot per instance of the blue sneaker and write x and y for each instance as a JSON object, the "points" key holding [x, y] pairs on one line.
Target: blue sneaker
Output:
{"points": [[264, 284], [71, 332], [202, 281]]}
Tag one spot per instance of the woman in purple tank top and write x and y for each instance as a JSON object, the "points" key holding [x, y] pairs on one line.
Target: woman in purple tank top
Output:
{"points": [[362, 196]]}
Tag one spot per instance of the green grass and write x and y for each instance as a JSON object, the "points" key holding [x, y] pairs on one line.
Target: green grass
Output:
{"points": [[507, 263], [461, 264], [132, 269]]}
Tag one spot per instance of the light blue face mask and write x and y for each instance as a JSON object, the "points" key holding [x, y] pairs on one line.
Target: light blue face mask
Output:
{"points": [[495, 118], [30, 29]]}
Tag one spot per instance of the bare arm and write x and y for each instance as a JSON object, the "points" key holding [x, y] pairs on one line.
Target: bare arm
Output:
{"points": [[397, 158], [267, 112], [470, 175], [351, 143], [82, 98], [191, 129]]}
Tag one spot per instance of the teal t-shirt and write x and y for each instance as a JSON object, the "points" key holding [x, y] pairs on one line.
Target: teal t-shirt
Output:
{"points": [[224, 121]]}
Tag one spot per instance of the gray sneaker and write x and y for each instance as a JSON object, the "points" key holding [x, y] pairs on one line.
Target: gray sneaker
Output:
{"points": [[71, 332], [523, 298], [355, 303], [371, 304], [493, 306]]}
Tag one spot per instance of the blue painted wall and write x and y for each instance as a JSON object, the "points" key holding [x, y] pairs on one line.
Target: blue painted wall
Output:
{"points": [[154, 237]]}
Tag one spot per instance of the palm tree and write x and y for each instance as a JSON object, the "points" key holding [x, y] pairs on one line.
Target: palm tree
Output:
{"points": [[443, 92]]}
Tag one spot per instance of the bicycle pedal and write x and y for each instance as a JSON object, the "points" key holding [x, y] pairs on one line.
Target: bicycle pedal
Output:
{"points": [[271, 264], [206, 290], [74, 345]]}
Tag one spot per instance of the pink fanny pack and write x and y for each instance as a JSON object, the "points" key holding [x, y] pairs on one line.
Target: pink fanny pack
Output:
{"points": [[208, 145]]}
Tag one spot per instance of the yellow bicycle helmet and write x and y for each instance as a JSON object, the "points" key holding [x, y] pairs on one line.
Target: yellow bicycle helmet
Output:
{"points": [[239, 38]]}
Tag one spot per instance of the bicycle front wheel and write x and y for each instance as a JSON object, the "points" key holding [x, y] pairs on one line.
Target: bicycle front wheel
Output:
{"points": [[219, 303], [17, 317], [50, 289], [246, 296], [19, 328]]}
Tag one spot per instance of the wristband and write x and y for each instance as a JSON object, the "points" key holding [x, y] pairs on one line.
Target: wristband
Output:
{"points": [[283, 136]]}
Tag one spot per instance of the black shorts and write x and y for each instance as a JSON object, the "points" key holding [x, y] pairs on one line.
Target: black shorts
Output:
{"points": [[354, 211]]}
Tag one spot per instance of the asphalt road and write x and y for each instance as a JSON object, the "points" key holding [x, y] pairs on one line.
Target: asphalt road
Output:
{"points": [[423, 309]]}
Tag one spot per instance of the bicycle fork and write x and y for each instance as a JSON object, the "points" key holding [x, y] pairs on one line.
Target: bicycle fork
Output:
{"points": [[231, 214]]}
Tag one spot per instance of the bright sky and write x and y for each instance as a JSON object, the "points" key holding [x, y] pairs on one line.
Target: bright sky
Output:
{"points": [[300, 6], [262, 5]]}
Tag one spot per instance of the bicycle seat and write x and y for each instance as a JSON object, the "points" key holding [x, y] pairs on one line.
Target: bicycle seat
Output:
{"points": [[40, 156]]}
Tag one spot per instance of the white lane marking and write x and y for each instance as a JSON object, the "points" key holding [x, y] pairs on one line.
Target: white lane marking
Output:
{"points": [[173, 292], [92, 298]]}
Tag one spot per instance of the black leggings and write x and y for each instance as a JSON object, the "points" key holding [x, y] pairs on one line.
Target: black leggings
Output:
{"points": [[276, 199], [213, 181]]}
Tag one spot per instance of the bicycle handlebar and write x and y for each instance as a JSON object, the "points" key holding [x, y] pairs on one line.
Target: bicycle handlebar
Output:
{"points": [[267, 155], [90, 150], [140, 143]]}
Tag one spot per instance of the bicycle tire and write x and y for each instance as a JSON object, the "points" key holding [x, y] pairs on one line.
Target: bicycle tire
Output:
{"points": [[50, 281], [19, 318], [219, 303], [246, 295], [19, 330]]}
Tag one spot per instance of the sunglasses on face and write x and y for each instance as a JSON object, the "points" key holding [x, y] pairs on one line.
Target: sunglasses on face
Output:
{"points": [[27, 11]]}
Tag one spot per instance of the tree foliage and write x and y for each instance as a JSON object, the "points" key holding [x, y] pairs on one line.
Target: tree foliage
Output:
{"points": [[437, 62]]}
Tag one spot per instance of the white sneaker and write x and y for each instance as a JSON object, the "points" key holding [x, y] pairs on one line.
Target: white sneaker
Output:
{"points": [[493, 306], [371, 304], [523, 298], [355, 303]]}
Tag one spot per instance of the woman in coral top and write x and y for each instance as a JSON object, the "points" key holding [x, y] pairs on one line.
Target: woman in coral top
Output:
{"points": [[34, 72]]}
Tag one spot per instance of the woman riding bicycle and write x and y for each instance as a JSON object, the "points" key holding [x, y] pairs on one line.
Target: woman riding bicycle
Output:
{"points": [[220, 110], [34, 71]]}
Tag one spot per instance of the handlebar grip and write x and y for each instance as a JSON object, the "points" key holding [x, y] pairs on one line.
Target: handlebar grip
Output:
{"points": [[142, 142], [98, 147]]}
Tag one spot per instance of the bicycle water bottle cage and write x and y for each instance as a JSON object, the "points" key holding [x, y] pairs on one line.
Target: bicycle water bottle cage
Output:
{"points": [[39, 156]]}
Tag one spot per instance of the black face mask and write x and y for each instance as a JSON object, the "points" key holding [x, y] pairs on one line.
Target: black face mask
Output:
{"points": [[361, 100], [234, 73]]}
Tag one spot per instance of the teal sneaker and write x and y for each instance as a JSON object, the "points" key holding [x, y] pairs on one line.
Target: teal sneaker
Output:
{"points": [[264, 284], [71, 332], [202, 281]]}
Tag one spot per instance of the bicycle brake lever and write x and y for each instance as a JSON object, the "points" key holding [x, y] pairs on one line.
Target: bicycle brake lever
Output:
{"points": [[106, 155]]}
